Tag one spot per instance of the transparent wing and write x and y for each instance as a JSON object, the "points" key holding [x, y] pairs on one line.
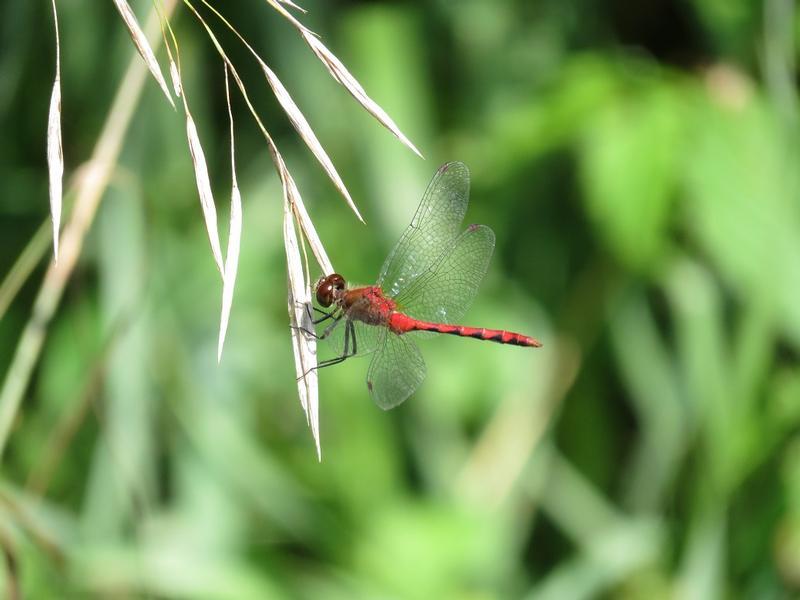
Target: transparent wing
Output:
{"points": [[396, 371], [444, 292], [435, 226], [367, 337]]}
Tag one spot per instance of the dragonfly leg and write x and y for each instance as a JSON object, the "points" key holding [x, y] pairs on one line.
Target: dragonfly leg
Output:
{"points": [[331, 315], [325, 317], [304, 330], [309, 307], [349, 336], [348, 329]]}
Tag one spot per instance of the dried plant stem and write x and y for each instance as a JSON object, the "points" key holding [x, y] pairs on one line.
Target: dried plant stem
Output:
{"points": [[61, 436], [89, 192], [294, 113], [519, 424], [289, 187], [16, 505], [11, 565], [55, 152], [234, 234], [24, 265]]}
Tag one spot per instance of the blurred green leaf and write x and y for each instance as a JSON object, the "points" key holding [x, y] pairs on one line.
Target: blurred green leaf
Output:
{"points": [[631, 158], [453, 553], [740, 209]]}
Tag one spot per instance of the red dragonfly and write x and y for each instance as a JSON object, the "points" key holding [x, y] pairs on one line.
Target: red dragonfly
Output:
{"points": [[426, 285]]}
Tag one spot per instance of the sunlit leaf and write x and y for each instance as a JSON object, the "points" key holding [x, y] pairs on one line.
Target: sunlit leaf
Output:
{"points": [[739, 209], [631, 159]]}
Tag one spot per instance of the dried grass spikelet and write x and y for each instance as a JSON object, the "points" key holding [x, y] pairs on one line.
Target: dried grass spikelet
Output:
{"points": [[295, 213], [55, 152]]}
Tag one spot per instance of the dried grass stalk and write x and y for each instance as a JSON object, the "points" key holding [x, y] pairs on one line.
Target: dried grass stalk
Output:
{"points": [[204, 188], [299, 297], [293, 5], [143, 46], [55, 153], [88, 194], [340, 73], [309, 231], [174, 68], [304, 346], [289, 186], [304, 129], [294, 113], [278, 5], [234, 238], [177, 86]]}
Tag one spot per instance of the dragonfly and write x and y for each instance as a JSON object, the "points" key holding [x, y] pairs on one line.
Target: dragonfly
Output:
{"points": [[425, 286]]}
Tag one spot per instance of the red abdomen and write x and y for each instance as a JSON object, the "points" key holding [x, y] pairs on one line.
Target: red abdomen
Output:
{"points": [[400, 323]]}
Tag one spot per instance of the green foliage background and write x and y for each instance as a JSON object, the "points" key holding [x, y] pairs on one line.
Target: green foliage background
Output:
{"points": [[638, 162]]}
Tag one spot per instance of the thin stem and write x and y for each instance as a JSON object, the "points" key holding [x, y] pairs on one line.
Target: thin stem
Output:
{"points": [[11, 566], [26, 262], [87, 198]]}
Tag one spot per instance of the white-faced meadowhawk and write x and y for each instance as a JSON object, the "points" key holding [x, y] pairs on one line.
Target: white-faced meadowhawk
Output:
{"points": [[425, 286]]}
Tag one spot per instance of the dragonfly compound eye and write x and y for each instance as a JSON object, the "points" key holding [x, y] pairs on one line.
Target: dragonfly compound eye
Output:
{"points": [[329, 288]]}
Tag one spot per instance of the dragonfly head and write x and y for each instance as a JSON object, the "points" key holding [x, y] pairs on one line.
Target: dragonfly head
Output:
{"points": [[330, 289]]}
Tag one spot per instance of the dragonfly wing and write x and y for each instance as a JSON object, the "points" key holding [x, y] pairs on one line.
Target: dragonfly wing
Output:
{"points": [[444, 292], [435, 225], [367, 338], [395, 372]]}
